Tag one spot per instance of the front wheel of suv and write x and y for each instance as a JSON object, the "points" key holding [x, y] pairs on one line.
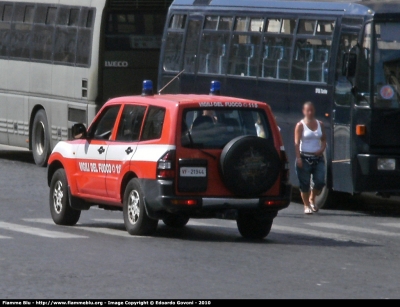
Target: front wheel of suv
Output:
{"points": [[252, 226]]}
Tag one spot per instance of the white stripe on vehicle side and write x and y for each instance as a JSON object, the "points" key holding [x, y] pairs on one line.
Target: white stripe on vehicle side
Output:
{"points": [[149, 153], [66, 149]]}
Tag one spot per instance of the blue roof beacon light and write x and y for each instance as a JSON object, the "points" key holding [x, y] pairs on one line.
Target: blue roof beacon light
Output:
{"points": [[147, 88], [215, 88]]}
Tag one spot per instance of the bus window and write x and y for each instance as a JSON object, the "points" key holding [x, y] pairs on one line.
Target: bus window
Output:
{"points": [[129, 31], [325, 27], [225, 23], [213, 50], [173, 44], [244, 48], [66, 36], [19, 44], [306, 26], [277, 49], [387, 64], [213, 46], [312, 51], [275, 57], [343, 86], [51, 16], [244, 53], [7, 13], [273, 26], [191, 45], [256, 25], [42, 36], [211, 22]]}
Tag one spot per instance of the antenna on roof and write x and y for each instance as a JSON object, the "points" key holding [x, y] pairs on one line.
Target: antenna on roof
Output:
{"points": [[170, 81]]}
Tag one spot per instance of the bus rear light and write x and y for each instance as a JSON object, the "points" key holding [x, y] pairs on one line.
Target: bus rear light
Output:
{"points": [[185, 202], [166, 166], [361, 130]]}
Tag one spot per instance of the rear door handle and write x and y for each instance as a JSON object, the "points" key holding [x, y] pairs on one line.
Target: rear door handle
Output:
{"points": [[129, 150], [101, 150]]}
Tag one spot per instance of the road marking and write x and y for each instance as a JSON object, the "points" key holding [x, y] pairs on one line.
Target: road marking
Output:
{"points": [[94, 229], [295, 230], [395, 225], [37, 231], [355, 229], [3, 237], [110, 221], [312, 233]]}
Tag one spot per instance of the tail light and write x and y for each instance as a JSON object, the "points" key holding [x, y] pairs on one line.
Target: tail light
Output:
{"points": [[166, 166], [285, 166]]}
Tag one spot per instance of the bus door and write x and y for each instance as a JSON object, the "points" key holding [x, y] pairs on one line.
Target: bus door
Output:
{"points": [[131, 50], [190, 53], [343, 105]]}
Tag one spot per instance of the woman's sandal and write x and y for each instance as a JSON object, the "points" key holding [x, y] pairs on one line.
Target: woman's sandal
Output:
{"points": [[307, 210], [314, 208]]}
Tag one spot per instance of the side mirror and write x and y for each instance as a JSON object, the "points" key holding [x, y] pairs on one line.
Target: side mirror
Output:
{"points": [[78, 131]]}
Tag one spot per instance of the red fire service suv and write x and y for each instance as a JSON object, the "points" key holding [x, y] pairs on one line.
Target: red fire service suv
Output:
{"points": [[174, 157]]}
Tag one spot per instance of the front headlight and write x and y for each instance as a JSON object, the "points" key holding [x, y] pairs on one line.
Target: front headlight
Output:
{"points": [[386, 164]]}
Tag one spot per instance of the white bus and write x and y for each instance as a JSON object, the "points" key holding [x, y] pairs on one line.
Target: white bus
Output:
{"points": [[60, 60]]}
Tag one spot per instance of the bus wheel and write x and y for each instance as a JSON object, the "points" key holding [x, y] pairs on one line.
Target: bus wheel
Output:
{"points": [[325, 198], [40, 138]]}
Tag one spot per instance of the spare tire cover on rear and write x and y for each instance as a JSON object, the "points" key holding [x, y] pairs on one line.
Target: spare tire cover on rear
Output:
{"points": [[250, 165]]}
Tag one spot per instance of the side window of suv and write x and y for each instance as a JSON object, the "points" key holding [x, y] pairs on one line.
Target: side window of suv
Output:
{"points": [[103, 127], [153, 124], [130, 123]]}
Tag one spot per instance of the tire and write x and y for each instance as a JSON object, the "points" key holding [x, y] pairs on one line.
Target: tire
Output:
{"points": [[254, 227], [60, 210], [40, 138], [249, 165], [136, 220], [326, 198], [176, 221]]}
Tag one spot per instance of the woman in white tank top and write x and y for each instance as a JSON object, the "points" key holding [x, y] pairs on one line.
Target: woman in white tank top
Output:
{"points": [[310, 144]]}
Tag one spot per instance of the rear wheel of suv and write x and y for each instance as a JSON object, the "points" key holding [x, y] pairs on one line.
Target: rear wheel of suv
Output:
{"points": [[60, 210], [136, 220], [252, 226], [250, 165], [176, 221]]}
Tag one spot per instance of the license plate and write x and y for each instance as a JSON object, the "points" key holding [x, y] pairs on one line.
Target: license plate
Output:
{"points": [[193, 172]]}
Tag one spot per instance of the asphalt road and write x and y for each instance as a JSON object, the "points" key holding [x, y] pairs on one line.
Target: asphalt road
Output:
{"points": [[349, 252]]}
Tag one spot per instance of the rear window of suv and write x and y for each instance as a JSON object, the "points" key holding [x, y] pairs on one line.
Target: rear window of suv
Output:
{"points": [[213, 128]]}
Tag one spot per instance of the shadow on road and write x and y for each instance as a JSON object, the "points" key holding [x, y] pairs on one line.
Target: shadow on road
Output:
{"points": [[224, 234], [17, 155], [366, 203]]}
